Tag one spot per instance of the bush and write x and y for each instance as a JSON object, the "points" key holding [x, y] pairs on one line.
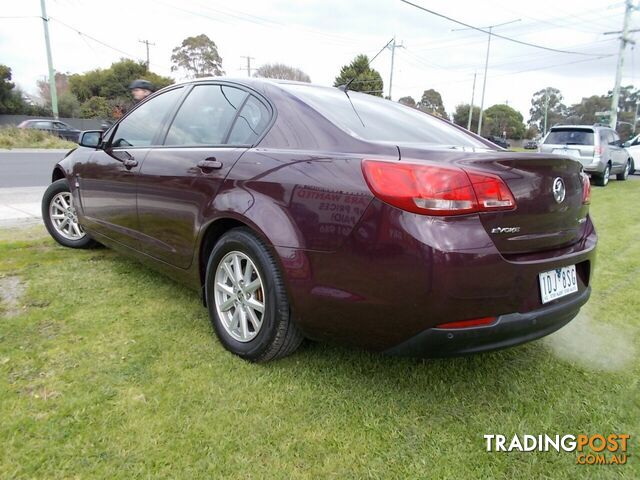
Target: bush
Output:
{"points": [[13, 137]]}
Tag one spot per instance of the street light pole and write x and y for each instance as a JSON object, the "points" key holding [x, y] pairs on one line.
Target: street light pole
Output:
{"points": [[52, 73]]}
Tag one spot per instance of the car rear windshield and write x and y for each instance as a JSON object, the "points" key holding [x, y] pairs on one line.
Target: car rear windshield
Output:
{"points": [[375, 119], [569, 136]]}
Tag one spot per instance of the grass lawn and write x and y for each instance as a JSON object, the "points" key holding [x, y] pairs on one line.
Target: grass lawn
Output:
{"points": [[12, 137], [110, 370]]}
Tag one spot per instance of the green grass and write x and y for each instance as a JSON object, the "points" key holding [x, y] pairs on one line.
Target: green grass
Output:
{"points": [[12, 137], [111, 371]]}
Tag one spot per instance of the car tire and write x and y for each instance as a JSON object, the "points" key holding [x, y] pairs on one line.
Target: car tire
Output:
{"points": [[59, 217], [603, 180], [241, 275], [625, 173], [632, 170]]}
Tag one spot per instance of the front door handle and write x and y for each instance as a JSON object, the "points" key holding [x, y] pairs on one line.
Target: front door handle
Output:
{"points": [[210, 164]]}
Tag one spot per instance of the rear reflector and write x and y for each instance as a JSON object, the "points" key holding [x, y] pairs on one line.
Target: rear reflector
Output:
{"points": [[436, 189], [475, 322]]}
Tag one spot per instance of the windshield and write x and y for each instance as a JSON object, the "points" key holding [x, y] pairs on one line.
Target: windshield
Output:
{"points": [[569, 136], [375, 119]]}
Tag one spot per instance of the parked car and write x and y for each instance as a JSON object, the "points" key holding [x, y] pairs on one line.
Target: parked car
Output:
{"points": [[306, 211], [633, 148], [501, 142], [54, 127], [598, 148], [530, 145]]}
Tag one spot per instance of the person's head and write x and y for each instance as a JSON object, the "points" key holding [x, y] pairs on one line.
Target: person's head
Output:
{"points": [[140, 89]]}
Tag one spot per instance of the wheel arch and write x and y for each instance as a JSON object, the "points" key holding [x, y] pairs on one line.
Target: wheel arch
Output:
{"points": [[57, 174]]}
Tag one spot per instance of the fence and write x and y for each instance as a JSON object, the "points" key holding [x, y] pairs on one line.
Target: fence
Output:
{"points": [[79, 123]]}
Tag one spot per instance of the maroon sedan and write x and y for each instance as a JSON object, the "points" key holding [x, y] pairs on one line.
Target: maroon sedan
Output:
{"points": [[305, 211]]}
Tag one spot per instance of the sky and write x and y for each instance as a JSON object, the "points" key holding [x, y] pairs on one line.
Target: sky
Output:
{"points": [[320, 36]]}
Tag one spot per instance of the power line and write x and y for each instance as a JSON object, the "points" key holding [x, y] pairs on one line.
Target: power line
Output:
{"points": [[92, 38], [432, 12]]}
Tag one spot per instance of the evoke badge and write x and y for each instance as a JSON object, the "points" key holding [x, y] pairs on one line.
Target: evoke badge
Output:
{"points": [[559, 190], [505, 230]]}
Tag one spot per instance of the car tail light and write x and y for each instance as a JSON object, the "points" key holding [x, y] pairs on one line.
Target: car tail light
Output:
{"points": [[586, 188], [474, 322], [435, 189], [597, 150]]}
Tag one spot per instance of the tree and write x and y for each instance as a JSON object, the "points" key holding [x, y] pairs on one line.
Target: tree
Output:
{"points": [[431, 102], [283, 72], [198, 57], [408, 101], [503, 120], [365, 79], [550, 99], [585, 111], [95, 107], [461, 115], [11, 98]]}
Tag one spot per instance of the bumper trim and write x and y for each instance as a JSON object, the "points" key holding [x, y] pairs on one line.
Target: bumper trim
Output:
{"points": [[508, 330]]}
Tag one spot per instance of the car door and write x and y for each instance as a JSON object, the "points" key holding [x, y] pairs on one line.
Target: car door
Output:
{"points": [[107, 181], [65, 131], [45, 125], [214, 126], [618, 154]]}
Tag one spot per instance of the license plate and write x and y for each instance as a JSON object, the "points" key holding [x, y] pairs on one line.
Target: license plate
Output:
{"points": [[566, 151], [558, 283]]}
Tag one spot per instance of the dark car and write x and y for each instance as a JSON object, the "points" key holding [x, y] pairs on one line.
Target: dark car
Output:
{"points": [[501, 142], [305, 211], [530, 145], [54, 127]]}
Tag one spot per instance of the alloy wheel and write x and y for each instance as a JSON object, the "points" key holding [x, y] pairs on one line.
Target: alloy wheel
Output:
{"points": [[239, 296], [64, 217]]}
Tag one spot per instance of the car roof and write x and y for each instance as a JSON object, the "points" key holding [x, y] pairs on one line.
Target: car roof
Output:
{"points": [[251, 82]]}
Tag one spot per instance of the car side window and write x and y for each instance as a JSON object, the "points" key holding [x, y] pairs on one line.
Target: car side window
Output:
{"points": [[206, 115], [139, 128], [59, 126], [42, 125], [253, 119]]}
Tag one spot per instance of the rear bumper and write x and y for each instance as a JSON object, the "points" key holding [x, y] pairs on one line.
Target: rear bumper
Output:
{"points": [[508, 330]]}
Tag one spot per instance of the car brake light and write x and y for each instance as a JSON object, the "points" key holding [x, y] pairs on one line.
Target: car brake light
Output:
{"points": [[436, 190], [586, 188], [474, 322], [597, 150]]}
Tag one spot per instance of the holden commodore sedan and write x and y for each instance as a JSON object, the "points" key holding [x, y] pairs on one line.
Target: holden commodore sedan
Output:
{"points": [[302, 211]]}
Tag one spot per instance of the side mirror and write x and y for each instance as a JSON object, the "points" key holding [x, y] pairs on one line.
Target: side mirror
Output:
{"points": [[91, 139]]}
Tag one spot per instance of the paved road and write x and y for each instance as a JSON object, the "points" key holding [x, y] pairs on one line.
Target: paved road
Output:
{"points": [[27, 168]]}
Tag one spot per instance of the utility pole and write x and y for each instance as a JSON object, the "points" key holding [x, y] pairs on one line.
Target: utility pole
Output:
{"points": [[624, 39], [52, 73], [473, 93], [248, 64], [147, 43], [393, 47], [546, 109], [486, 67]]}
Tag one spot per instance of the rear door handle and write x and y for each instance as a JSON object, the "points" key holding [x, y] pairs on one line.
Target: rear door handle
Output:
{"points": [[210, 164]]}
